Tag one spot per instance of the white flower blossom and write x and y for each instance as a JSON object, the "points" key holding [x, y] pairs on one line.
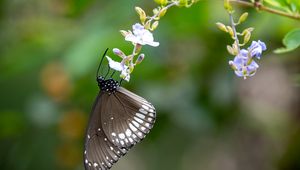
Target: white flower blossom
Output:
{"points": [[141, 36], [119, 67]]}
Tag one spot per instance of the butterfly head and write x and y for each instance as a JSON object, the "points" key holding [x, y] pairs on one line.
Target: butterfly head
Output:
{"points": [[110, 85]]}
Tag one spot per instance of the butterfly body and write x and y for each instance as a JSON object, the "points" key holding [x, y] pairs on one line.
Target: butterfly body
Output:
{"points": [[119, 120]]}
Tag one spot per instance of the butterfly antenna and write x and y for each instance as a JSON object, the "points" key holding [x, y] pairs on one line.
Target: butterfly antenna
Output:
{"points": [[112, 74], [121, 81], [107, 72], [101, 62]]}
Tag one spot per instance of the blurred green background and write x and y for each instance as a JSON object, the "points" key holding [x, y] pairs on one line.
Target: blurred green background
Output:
{"points": [[208, 119]]}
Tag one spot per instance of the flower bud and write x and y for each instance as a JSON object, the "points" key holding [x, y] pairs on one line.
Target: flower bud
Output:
{"points": [[118, 52], [232, 65], [131, 67], [147, 25], [138, 48], [250, 29], [156, 10], [162, 12], [230, 50], [154, 25], [235, 48], [230, 31], [161, 2], [182, 3], [228, 6], [247, 37], [140, 59], [124, 33], [243, 17], [221, 26], [141, 13]]}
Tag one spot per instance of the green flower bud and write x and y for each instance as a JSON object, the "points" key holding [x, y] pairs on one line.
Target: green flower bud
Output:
{"points": [[154, 25], [141, 13], [230, 31], [162, 12], [243, 17], [247, 37], [235, 48], [230, 50], [161, 2], [228, 6], [221, 26], [182, 3], [147, 25], [131, 67], [247, 30]]}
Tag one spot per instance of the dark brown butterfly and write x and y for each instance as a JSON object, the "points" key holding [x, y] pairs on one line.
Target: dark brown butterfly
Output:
{"points": [[119, 120]]}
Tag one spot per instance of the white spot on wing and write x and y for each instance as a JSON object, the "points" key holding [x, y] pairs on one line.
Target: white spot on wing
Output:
{"points": [[128, 132], [140, 115], [132, 127], [95, 164], [136, 123], [145, 107], [130, 139], [121, 135], [113, 134], [139, 120], [140, 134], [143, 111]]}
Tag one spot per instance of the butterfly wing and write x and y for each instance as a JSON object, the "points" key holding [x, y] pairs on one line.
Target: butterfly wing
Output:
{"points": [[99, 153], [128, 118]]}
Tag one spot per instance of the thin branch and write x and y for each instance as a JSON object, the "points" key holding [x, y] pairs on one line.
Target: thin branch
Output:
{"points": [[267, 9]]}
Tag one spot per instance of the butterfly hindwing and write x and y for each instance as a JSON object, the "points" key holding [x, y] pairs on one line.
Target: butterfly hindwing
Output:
{"points": [[99, 153], [127, 119]]}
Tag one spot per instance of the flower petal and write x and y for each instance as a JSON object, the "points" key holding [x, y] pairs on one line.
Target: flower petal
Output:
{"points": [[114, 65]]}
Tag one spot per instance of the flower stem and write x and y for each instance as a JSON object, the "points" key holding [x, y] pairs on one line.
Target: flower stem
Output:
{"points": [[164, 8], [261, 7], [234, 32]]}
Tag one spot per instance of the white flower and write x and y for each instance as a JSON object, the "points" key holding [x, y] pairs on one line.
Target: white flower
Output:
{"points": [[141, 36], [119, 67]]}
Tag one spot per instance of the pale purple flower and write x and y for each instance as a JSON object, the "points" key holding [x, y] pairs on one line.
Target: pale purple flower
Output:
{"points": [[243, 65], [119, 66], [256, 48], [141, 36]]}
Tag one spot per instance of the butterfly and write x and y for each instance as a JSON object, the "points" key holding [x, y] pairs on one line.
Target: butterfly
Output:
{"points": [[119, 120]]}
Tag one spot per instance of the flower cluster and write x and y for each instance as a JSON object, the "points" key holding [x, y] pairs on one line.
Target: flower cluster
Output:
{"points": [[140, 35], [243, 63]]}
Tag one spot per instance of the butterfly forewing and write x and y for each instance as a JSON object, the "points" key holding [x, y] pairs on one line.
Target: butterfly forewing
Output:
{"points": [[127, 119], [100, 153]]}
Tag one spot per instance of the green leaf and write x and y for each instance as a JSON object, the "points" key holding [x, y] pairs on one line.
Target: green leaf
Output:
{"points": [[291, 42], [290, 6]]}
